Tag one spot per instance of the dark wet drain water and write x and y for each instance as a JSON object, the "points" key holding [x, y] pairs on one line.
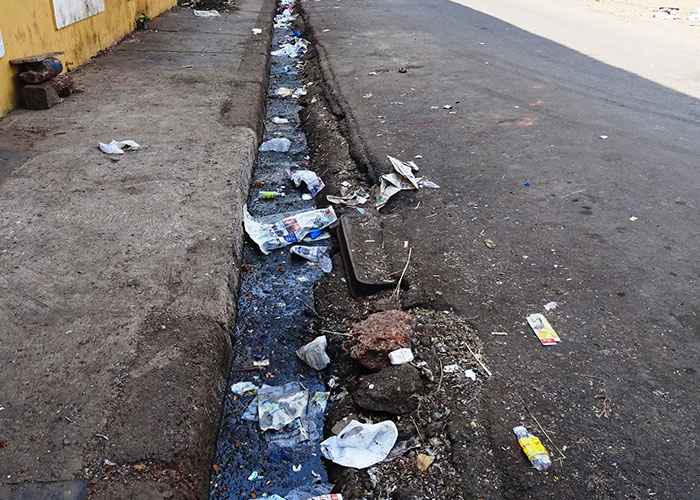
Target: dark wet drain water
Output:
{"points": [[275, 307]]}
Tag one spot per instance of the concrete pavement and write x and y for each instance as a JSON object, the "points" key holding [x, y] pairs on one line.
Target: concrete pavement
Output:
{"points": [[118, 275], [607, 227]]}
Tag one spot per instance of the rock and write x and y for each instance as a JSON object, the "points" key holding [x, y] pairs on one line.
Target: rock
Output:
{"points": [[393, 390], [40, 96], [378, 335]]}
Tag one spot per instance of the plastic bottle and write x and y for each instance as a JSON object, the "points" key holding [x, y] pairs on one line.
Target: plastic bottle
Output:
{"points": [[269, 195], [533, 448]]}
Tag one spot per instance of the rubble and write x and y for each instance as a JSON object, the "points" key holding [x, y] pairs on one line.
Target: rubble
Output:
{"points": [[393, 390], [378, 335]]}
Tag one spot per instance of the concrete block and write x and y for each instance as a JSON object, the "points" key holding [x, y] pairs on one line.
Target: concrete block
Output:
{"points": [[40, 96]]}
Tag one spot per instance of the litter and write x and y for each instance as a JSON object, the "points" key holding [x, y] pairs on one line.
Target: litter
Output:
{"points": [[633, 218], [361, 445], [332, 496], [695, 15], [447, 106], [280, 230], [244, 388], [543, 329], [550, 306], [489, 244], [313, 182], [451, 368], [533, 448], [261, 363], [669, 13], [400, 179], [297, 49], [499, 333], [206, 13], [254, 475], [280, 405], [109, 462], [118, 147], [284, 92], [314, 353], [424, 461], [309, 491], [603, 137], [470, 374], [351, 199], [279, 144], [306, 197], [314, 254], [278, 120], [401, 356], [256, 31], [269, 195]]}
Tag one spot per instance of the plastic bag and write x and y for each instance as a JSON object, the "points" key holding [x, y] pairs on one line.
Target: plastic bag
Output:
{"points": [[313, 182], [314, 353], [279, 144], [279, 405], [361, 445], [314, 254], [118, 147]]}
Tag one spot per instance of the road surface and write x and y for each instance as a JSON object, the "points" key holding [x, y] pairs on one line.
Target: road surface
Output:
{"points": [[585, 176]]}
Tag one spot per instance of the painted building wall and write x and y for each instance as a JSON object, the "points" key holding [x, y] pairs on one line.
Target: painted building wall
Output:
{"points": [[28, 27]]}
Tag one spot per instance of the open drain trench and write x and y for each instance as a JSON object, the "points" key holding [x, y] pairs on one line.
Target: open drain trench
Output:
{"points": [[275, 308]]}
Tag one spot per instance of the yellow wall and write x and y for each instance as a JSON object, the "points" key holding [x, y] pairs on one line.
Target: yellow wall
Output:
{"points": [[28, 28]]}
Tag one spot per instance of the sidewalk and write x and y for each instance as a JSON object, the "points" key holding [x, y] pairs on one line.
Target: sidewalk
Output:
{"points": [[118, 277]]}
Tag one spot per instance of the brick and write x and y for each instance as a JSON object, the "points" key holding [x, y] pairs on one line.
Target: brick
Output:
{"points": [[40, 96]]}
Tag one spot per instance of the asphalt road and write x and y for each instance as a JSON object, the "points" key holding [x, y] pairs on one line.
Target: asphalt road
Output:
{"points": [[607, 228]]}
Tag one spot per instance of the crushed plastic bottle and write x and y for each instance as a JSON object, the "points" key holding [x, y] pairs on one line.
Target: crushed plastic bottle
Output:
{"points": [[533, 448]]}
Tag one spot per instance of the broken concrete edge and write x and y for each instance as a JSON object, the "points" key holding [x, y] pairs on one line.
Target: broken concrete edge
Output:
{"points": [[189, 440], [338, 105]]}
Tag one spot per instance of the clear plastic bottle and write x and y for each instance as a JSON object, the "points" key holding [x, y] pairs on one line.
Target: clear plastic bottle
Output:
{"points": [[533, 448]]}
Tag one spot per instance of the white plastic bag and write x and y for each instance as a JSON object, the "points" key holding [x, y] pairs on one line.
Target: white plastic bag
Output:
{"points": [[206, 13], [314, 353], [311, 179], [361, 445], [279, 405], [118, 147], [279, 144]]}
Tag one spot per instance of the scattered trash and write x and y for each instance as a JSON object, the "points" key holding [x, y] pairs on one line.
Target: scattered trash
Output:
{"points": [[401, 356], [256, 31], [451, 368], [372, 73], [669, 13], [279, 121], [313, 182], [350, 198], [269, 195], [279, 230], [633, 218], [603, 137], [314, 353], [489, 244], [118, 147], [244, 388], [279, 144], [109, 462], [550, 306], [306, 197], [533, 448], [279, 405], [695, 15], [207, 13], [309, 491], [295, 50], [527, 184], [402, 70], [254, 475], [499, 333], [400, 179], [361, 445], [424, 461], [284, 92], [261, 363], [447, 106], [470, 374], [315, 254], [543, 329]]}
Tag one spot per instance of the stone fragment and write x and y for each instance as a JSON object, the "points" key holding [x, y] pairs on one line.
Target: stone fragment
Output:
{"points": [[378, 335], [40, 96], [393, 390]]}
